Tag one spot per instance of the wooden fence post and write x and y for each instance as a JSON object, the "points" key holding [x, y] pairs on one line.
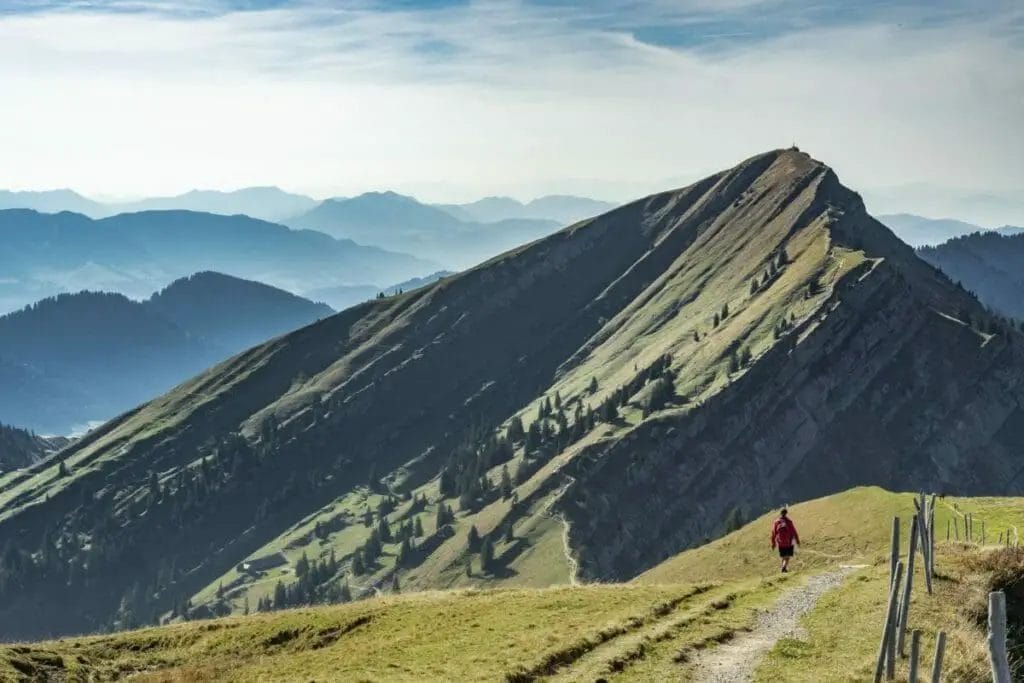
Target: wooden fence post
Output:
{"points": [[890, 622], [901, 628], [947, 531], [983, 532], [956, 529], [894, 548], [926, 546], [940, 650], [915, 654], [997, 637], [931, 540]]}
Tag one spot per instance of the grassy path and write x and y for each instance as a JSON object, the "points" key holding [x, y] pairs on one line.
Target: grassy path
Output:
{"points": [[736, 660]]}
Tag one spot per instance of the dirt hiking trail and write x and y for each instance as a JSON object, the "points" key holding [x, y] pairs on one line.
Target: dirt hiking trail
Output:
{"points": [[736, 660]]}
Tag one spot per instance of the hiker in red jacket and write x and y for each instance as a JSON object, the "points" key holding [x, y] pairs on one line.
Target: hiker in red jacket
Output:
{"points": [[784, 537]]}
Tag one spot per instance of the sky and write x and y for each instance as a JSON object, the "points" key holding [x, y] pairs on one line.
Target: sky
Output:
{"points": [[452, 100]]}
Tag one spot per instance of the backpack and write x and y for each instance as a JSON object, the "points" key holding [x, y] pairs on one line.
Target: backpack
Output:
{"points": [[784, 532]]}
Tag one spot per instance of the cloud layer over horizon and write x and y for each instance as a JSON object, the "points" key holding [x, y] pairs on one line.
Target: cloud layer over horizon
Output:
{"points": [[452, 100]]}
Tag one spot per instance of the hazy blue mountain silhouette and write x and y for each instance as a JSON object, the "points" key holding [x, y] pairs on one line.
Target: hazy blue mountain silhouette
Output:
{"points": [[51, 201], [400, 223], [563, 209], [918, 231], [265, 203], [77, 358], [137, 253]]}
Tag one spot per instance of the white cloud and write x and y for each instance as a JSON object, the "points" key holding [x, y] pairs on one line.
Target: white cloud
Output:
{"points": [[496, 97]]}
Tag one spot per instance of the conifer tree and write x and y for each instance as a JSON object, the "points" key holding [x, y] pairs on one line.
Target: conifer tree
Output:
{"points": [[473, 539], [515, 430], [506, 483], [396, 587], [592, 387], [404, 553], [302, 566], [486, 554], [417, 528]]}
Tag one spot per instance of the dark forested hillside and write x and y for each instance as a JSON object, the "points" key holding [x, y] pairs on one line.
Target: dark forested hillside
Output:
{"points": [[990, 264], [231, 313], [21, 447], [585, 405], [77, 359]]}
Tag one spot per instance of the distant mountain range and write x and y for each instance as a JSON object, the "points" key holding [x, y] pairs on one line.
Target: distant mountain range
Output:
{"points": [[456, 235], [79, 358], [265, 203], [563, 209], [918, 231], [137, 253], [400, 223]]}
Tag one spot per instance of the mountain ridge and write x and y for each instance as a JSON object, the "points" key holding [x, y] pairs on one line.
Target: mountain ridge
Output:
{"points": [[687, 354]]}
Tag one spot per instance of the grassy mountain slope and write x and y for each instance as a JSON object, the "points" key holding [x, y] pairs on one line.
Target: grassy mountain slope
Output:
{"points": [[642, 377], [644, 630]]}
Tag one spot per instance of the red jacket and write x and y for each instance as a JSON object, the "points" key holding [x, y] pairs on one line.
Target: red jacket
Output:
{"points": [[784, 533]]}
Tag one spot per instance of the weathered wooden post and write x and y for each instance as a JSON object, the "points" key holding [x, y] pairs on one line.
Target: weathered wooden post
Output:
{"points": [[908, 583], [931, 539], [1000, 541], [947, 531], [915, 654], [983, 532], [926, 546], [956, 529], [894, 548], [997, 637], [890, 622], [940, 650]]}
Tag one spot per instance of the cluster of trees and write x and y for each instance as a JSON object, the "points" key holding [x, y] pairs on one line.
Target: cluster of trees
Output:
{"points": [[776, 263], [720, 317], [739, 359], [316, 582], [406, 534], [464, 474], [783, 326], [482, 545], [661, 394]]}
